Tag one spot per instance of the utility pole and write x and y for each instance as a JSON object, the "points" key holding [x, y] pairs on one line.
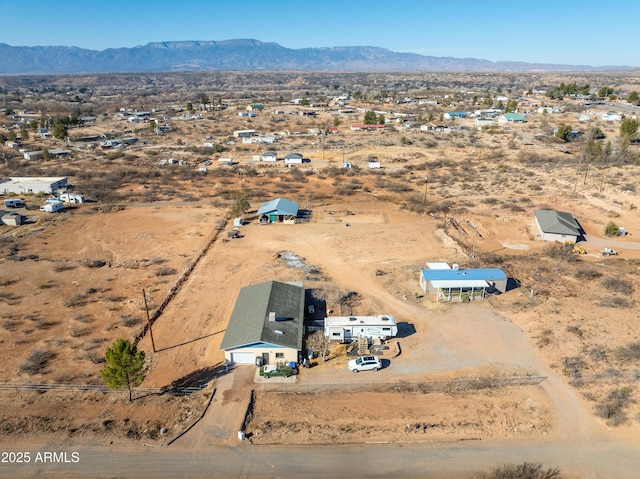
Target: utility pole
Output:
{"points": [[473, 248], [426, 185], [146, 308]]}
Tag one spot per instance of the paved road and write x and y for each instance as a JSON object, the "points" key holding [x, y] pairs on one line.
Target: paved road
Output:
{"points": [[443, 460]]}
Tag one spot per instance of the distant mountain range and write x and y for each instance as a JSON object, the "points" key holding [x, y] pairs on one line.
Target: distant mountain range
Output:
{"points": [[246, 55]]}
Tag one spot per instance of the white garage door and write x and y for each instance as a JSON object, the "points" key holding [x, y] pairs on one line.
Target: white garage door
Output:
{"points": [[243, 358]]}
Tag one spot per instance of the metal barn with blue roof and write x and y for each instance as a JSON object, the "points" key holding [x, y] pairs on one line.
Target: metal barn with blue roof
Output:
{"points": [[463, 284], [278, 211]]}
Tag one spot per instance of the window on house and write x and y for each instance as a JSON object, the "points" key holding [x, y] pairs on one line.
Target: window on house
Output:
{"points": [[279, 355], [335, 335]]}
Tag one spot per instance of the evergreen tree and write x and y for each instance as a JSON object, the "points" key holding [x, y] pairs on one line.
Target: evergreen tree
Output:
{"points": [[125, 366]]}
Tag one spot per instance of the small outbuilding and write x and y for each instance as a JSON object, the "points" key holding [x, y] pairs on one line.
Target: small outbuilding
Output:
{"points": [[557, 226], [12, 218], [266, 325], [278, 211], [269, 157], [293, 159]]}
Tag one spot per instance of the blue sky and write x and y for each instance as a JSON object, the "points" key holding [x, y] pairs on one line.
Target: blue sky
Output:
{"points": [[567, 32]]}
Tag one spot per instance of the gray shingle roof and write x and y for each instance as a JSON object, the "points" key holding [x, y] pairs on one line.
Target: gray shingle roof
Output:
{"points": [[558, 222], [249, 322]]}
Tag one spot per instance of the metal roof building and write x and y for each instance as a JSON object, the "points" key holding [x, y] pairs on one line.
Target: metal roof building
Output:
{"points": [[465, 284], [279, 210], [266, 323], [27, 185], [557, 226]]}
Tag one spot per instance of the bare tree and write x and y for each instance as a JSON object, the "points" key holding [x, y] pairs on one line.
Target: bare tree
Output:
{"points": [[318, 342]]}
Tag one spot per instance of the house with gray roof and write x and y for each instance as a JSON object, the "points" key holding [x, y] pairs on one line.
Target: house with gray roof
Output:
{"points": [[557, 226], [266, 324]]}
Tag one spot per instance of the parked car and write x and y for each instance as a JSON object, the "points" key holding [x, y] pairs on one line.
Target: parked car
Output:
{"points": [[273, 370], [365, 363]]}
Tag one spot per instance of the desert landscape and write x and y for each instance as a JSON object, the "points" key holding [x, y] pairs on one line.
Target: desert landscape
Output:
{"points": [[555, 358]]}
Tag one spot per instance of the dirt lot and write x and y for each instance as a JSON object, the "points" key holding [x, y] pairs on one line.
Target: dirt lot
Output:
{"points": [[72, 283], [370, 417]]}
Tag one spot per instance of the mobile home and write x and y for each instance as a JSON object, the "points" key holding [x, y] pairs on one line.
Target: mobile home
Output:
{"points": [[14, 203], [72, 198], [52, 206], [348, 328]]}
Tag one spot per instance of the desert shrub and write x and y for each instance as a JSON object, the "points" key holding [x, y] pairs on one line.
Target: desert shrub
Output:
{"points": [[558, 251], [587, 273], [575, 330], [520, 471], [95, 263], [166, 271], [129, 320], [75, 300], [611, 229], [597, 353], [613, 302], [59, 268], [398, 187], [83, 318], [629, 353], [10, 324], [44, 324], [617, 285], [573, 366], [79, 332], [415, 203], [612, 407], [36, 362]]}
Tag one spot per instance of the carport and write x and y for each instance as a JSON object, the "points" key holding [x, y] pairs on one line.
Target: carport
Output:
{"points": [[464, 289]]}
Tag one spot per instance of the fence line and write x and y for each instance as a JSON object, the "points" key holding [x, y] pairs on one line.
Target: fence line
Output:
{"points": [[608, 376], [90, 388], [424, 387]]}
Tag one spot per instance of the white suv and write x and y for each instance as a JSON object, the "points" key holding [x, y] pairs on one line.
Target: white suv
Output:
{"points": [[365, 363]]}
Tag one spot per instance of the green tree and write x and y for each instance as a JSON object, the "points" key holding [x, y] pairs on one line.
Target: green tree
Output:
{"points": [[60, 130], [629, 129], [336, 122], [124, 366], [596, 133], [370, 118], [304, 102], [240, 204], [634, 98], [189, 106], [280, 99], [204, 101], [33, 125], [152, 126], [511, 106], [45, 155], [564, 132], [24, 133], [605, 91], [380, 119]]}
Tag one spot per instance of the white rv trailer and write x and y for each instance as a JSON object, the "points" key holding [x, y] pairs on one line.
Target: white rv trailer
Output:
{"points": [[348, 328]]}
